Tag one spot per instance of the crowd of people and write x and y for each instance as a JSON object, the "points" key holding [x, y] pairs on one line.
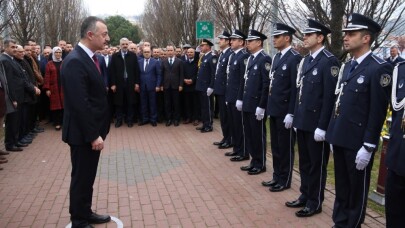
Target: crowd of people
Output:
{"points": [[312, 100]]}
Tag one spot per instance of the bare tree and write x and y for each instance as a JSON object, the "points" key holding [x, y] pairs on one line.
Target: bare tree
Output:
{"points": [[6, 13]]}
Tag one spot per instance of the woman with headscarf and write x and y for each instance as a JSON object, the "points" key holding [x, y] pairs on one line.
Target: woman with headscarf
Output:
{"points": [[53, 88]]}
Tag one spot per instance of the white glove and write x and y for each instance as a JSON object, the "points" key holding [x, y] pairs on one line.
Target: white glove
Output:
{"points": [[259, 113], [288, 121], [209, 91], [319, 135], [362, 158], [295, 129], [226, 103], [331, 148], [238, 105]]}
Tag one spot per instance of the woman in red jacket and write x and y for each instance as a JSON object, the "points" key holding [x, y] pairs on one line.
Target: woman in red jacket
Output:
{"points": [[53, 88]]}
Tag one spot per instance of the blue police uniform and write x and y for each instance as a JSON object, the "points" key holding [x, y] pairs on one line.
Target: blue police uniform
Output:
{"points": [[205, 74], [357, 119], [254, 93], [236, 71], [395, 157], [281, 102]]}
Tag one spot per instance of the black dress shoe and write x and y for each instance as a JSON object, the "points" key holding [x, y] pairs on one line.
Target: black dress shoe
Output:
{"points": [[118, 124], [130, 124], [25, 141], [2, 152], [225, 145], [143, 123], [256, 171], [296, 203], [176, 123], [168, 123], [154, 124], [98, 219], [269, 183], [307, 212], [239, 158], [199, 128], [219, 143], [246, 168], [14, 149], [206, 129], [231, 153], [278, 188], [19, 144]]}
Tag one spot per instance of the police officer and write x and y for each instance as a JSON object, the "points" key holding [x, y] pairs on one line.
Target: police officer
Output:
{"points": [[280, 107], [236, 70], [316, 81], [357, 119], [218, 87], [252, 100], [205, 74], [395, 184]]}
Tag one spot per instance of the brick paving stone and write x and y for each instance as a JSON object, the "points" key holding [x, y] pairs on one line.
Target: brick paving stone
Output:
{"points": [[151, 177]]}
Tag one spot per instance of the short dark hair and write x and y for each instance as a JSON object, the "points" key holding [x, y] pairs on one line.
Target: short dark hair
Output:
{"points": [[324, 37], [372, 35], [8, 41], [89, 24], [289, 35]]}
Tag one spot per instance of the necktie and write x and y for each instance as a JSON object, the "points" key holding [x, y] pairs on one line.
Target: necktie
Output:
{"points": [[146, 64], [277, 59], [95, 59], [353, 66], [125, 66], [171, 61], [310, 58]]}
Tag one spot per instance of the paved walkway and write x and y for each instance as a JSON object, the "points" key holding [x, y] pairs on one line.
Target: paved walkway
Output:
{"points": [[151, 177]]}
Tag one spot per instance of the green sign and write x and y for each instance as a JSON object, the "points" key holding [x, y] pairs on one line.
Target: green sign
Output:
{"points": [[205, 30]]}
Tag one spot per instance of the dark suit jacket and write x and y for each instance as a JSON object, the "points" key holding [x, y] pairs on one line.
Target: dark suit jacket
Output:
{"points": [[397, 60], [42, 64], [104, 70], [3, 79], [237, 67], [116, 71], [173, 76], [218, 83], [190, 72], [86, 112], [151, 78], [206, 72]]}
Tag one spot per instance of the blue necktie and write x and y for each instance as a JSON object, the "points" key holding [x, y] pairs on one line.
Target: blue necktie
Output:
{"points": [[353, 66]]}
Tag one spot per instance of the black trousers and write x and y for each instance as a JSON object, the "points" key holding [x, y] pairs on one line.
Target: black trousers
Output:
{"points": [[57, 117], [160, 103], [255, 136], [313, 161], [127, 107], [282, 142], [394, 199], [172, 104], [191, 105], [236, 129], [12, 126], [84, 169], [24, 120], [206, 114], [224, 119], [351, 188]]}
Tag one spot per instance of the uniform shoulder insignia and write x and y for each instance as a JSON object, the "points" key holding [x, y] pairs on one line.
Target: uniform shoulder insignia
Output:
{"points": [[243, 51], [385, 80], [378, 59], [214, 60], [334, 70], [245, 61], [294, 52], [400, 63], [267, 66], [264, 53], [327, 53]]}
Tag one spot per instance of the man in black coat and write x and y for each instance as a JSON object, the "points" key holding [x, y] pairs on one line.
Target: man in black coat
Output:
{"points": [[124, 75], [173, 76], [86, 121], [394, 56], [191, 99]]}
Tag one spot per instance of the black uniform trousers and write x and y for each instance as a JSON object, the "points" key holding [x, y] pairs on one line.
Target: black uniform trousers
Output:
{"points": [[84, 170], [206, 115], [394, 199], [351, 188], [191, 105], [313, 162], [255, 139], [282, 142], [224, 119], [172, 104], [236, 128], [12, 125]]}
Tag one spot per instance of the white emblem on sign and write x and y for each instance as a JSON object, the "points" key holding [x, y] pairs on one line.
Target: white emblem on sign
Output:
{"points": [[284, 67], [315, 72], [255, 67], [360, 80]]}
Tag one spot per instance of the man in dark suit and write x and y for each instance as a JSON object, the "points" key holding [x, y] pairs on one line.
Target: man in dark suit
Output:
{"points": [[150, 80], [124, 75], [86, 121], [191, 99], [357, 119], [252, 101], [173, 80], [280, 107], [218, 88], [394, 56], [206, 73], [317, 80]]}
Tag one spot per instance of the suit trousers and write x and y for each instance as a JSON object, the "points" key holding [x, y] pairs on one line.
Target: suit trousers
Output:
{"points": [[394, 199], [224, 119], [127, 106], [84, 169], [160, 103], [12, 126], [148, 105], [255, 139], [206, 114], [236, 129], [351, 188], [172, 104], [191, 105], [24, 120], [282, 142], [313, 161]]}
